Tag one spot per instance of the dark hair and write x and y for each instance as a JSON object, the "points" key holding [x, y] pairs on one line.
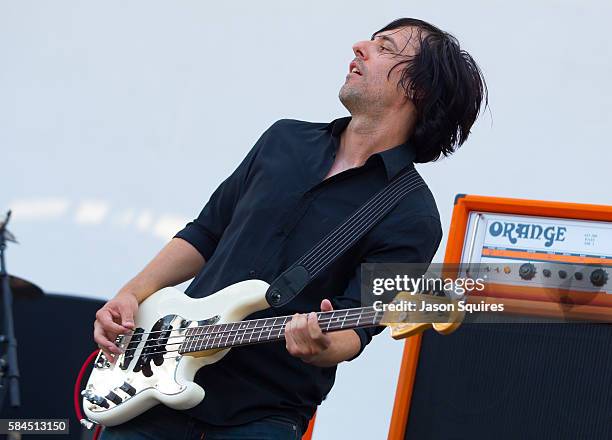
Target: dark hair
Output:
{"points": [[445, 85]]}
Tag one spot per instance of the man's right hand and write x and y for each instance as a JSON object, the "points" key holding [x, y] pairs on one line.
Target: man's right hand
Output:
{"points": [[177, 262], [114, 318]]}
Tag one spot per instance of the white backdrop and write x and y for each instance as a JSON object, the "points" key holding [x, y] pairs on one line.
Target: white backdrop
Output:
{"points": [[118, 119]]}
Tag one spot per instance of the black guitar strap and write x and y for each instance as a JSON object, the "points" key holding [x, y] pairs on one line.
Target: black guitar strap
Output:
{"points": [[292, 281]]}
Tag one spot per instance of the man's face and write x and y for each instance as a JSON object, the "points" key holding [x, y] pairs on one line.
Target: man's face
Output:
{"points": [[368, 86]]}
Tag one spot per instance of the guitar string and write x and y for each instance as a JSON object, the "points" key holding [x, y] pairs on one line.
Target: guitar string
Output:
{"points": [[260, 319], [262, 331], [366, 317], [324, 320], [324, 317], [243, 341], [321, 315]]}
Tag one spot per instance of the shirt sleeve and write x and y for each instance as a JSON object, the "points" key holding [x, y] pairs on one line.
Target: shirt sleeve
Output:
{"points": [[205, 231], [415, 240]]}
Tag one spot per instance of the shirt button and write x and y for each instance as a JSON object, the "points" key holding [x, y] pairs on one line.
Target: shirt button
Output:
{"points": [[252, 273]]}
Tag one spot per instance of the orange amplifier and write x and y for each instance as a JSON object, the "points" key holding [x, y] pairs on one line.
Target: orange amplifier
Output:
{"points": [[547, 259]]}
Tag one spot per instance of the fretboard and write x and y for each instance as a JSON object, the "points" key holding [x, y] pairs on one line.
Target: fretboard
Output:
{"points": [[255, 331]]}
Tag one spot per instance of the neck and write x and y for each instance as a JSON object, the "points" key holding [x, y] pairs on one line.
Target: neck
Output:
{"points": [[254, 331], [367, 134]]}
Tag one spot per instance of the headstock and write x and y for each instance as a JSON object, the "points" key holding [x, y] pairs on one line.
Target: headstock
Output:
{"points": [[405, 323], [405, 330]]}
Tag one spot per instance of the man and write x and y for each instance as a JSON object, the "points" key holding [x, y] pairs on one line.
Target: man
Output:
{"points": [[413, 96]]}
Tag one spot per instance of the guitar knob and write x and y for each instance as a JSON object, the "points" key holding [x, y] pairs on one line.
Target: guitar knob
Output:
{"points": [[527, 271], [599, 277]]}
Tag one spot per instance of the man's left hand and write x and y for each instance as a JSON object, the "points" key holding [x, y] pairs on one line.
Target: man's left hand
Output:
{"points": [[304, 338]]}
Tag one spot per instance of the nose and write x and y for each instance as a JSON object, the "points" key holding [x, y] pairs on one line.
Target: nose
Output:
{"points": [[360, 49]]}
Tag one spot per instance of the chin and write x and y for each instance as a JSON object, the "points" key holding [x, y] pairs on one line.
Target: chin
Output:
{"points": [[349, 97]]}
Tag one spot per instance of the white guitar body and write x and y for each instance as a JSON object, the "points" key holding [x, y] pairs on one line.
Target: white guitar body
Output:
{"points": [[170, 382]]}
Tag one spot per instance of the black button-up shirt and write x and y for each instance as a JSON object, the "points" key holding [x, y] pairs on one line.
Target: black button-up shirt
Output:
{"points": [[264, 217]]}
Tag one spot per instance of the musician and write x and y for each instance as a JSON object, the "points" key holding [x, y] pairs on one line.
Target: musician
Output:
{"points": [[413, 96]]}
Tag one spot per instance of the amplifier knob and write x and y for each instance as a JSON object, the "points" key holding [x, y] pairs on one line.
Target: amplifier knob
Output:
{"points": [[599, 277], [562, 274], [546, 273], [578, 276], [527, 271]]}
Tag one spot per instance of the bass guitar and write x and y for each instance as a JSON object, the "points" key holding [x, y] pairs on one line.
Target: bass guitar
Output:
{"points": [[175, 335]]}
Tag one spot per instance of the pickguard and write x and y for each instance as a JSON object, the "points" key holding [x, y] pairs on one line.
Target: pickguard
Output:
{"points": [[150, 360]]}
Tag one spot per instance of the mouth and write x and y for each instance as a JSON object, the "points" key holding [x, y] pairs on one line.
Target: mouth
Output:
{"points": [[354, 68]]}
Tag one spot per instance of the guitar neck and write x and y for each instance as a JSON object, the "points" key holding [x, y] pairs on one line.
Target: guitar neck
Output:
{"points": [[255, 331]]}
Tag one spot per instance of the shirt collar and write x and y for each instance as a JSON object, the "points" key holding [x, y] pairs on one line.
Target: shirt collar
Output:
{"points": [[394, 159]]}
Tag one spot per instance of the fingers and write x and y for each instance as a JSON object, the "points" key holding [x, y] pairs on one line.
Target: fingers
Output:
{"points": [[313, 328], [304, 337], [326, 306], [105, 317], [103, 341], [127, 319], [291, 337], [106, 327]]}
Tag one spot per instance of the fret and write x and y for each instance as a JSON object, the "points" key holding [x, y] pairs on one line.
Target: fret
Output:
{"points": [[271, 328], [250, 326], [210, 341], [262, 327], [200, 337], [220, 335], [194, 339], [191, 341], [196, 342], [375, 316], [236, 324], [282, 327], [188, 339], [331, 318], [226, 335], [214, 332], [337, 321], [185, 342], [243, 326], [344, 320], [206, 336]]}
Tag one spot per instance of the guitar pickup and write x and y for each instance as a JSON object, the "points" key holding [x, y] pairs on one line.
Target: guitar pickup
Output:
{"points": [[128, 389], [114, 398], [131, 348]]}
